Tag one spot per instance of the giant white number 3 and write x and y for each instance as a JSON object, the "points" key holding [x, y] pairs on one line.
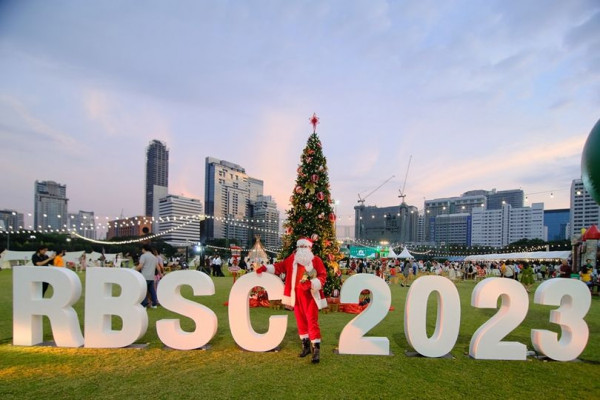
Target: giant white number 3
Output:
{"points": [[351, 338], [574, 299], [486, 342]]}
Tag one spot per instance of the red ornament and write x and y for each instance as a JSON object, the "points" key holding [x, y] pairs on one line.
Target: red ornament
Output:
{"points": [[300, 220], [314, 177], [332, 217], [288, 230], [322, 215], [299, 189], [314, 237], [310, 151], [308, 206], [320, 196], [299, 170]]}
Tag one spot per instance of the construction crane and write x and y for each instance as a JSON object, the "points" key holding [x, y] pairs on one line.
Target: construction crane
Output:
{"points": [[361, 200], [402, 193]]}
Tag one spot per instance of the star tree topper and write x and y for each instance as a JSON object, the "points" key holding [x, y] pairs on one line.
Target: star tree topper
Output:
{"points": [[314, 120]]}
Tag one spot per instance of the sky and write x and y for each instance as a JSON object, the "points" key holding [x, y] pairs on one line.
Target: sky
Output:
{"points": [[481, 94]]}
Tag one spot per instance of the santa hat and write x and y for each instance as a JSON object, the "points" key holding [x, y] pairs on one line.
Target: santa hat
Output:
{"points": [[304, 242]]}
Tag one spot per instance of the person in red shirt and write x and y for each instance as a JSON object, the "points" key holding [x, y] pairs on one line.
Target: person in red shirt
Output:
{"points": [[305, 277]]}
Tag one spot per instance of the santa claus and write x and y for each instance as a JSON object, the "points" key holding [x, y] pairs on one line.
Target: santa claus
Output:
{"points": [[305, 277]]}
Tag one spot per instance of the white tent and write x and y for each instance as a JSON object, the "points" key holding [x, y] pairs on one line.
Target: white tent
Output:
{"points": [[405, 254], [8, 258], [532, 255], [392, 254]]}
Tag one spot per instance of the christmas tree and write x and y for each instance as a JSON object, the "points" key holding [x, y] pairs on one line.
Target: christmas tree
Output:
{"points": [[311, 214]]}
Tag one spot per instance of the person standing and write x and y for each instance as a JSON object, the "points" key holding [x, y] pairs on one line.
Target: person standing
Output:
{"points": [[305, 277], [217, 263], [40, 259], [58, 259], [147, 266]]}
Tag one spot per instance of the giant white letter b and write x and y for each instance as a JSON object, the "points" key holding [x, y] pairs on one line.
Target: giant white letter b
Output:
{"points": [[101, 305]]}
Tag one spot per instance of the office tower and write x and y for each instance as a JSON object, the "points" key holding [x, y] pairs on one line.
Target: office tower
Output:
{"points": [[50, 205], [11, 220], [129, 227], [499, 228], [174, 212], [453, 229], [265, 221], [557, 223], [157, 173], [585, 212], [227, 196], [392, 224], [496, 199], [84, 223], [450, 205]]}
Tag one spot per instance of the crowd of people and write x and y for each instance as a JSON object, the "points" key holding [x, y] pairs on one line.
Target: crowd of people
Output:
{"points": [[404, 272]]}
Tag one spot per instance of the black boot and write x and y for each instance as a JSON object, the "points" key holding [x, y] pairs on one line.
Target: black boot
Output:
{"points": [[305, 348], [316, 353]]}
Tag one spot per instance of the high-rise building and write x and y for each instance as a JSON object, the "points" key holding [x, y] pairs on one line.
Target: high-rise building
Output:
{"points": [[450, 205], [584, 209], [499, 228], [129, 227], [50, 205], [157, 172], [496, 199], [392, 224], [557, 222], [228, 193], [489, 227], [453, 229], [174, 212], [84, 223], [265, 221], [11, 220]]}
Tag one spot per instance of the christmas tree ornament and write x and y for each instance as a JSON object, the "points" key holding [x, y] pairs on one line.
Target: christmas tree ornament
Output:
{"points": [[314, 237], [308, 206], [320, 196], [314, 178], [590, 163], [299, 190]]}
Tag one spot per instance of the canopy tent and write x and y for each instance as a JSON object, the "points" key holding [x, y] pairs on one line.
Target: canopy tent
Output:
{"points": [[8, 258], [405, 254], [532, 255], [392, 253]]}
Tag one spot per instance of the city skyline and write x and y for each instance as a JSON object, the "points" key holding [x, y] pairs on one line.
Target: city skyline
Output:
{"points": [[505, 104]]}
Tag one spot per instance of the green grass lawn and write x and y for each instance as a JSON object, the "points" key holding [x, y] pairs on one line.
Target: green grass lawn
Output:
{"points": [[226, 371]]}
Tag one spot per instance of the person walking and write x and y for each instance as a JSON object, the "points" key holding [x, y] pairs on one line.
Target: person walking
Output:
{"points": [[147, 266]]}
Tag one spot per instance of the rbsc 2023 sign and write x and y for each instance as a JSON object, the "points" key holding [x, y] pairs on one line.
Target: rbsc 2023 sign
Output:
{"points": [[571, 296]]}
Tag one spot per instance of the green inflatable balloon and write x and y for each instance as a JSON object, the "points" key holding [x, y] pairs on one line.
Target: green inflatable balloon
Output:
{"points": [[590, 163]]}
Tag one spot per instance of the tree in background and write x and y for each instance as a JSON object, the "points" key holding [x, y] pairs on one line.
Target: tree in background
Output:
{"points": [[311, 214]]}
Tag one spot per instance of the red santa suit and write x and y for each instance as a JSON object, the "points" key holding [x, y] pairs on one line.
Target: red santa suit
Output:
{"points": [[306, 301]]}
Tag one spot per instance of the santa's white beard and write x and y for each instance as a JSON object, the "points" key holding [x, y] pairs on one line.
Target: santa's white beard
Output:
{"points": [[304, 256]]}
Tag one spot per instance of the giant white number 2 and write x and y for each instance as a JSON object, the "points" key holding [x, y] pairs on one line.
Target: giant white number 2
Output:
{"points": [[574, 299], [351, 338], [486, 342]]}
